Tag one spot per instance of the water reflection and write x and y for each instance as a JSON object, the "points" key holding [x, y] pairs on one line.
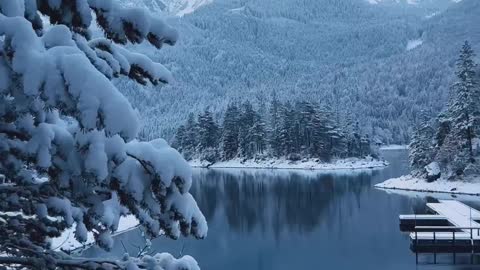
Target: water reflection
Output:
{"points": [[275, 201], [274, 219]]}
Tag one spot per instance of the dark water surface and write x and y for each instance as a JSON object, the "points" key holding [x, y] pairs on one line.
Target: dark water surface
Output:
{"points": [[278, 219]]}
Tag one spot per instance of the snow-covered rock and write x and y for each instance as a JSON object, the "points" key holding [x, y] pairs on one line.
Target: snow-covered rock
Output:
{"points": [[433, 171]]}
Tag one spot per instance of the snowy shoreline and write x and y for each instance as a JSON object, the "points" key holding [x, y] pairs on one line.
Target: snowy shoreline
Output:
{"points": [[410, 183], [394, 147], [310, 164]]}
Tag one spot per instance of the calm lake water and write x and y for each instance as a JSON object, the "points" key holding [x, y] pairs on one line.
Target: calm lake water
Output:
{"points": [[278, 219]]}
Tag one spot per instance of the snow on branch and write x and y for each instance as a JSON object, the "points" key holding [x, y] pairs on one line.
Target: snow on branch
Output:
{"points": [[68, 150], [131, 24]]}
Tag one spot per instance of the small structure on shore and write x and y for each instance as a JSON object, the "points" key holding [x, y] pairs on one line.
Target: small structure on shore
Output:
{"points": [[453, 227]]}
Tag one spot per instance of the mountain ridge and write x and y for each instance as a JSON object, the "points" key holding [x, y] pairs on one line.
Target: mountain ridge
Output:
{"points": [[361, 58]]}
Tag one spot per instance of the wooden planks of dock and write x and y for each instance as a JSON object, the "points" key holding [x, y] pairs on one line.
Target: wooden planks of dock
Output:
{"points": [[455, 228]]}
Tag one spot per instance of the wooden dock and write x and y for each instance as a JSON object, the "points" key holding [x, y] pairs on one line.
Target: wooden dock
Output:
{"points": [[453, 228]]}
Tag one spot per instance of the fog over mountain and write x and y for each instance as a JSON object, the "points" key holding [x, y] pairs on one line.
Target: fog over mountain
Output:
{"points": [[382, 63]]}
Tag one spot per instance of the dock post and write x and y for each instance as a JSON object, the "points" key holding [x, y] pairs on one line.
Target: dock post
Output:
{"points": [[454, 251], [473, 246], [416, 247], [434, 251]]}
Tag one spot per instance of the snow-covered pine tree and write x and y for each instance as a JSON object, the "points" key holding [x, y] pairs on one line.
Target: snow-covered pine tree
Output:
{"points": [[274, 127], [68, 154], [207, 131], [354, 139], [305, 113], [422, 147], [465, 108], [230, 129], [320, 139], [258, 134], [179, 139], [459, 125], [365, 147], [247, 121], [190, 140], [338, 142], [287, 124], [208, 137]]}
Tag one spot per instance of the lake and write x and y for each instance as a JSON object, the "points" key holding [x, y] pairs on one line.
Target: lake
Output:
{"points": [[280, 219]]}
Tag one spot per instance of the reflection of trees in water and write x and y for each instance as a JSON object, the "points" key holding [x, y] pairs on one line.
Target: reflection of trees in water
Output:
{"points": [[276, 201]]}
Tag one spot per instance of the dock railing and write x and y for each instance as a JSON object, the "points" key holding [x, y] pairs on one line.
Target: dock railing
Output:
{"points": [[442, 229]]}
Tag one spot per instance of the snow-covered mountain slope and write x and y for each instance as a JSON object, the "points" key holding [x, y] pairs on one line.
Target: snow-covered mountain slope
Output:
{"points": [[413, 2], [152, 5], [183, 7], [172, 7], [345, 54]]}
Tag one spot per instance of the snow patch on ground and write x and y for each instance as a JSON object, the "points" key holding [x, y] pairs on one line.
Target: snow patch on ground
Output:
{"points": [[68, 242], [307, 164], [414, 43], [237, 10], [410, 183], [429, 16]]}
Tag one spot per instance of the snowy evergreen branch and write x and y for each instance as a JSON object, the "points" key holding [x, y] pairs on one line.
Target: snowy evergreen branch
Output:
{"points": [[68, 149]]}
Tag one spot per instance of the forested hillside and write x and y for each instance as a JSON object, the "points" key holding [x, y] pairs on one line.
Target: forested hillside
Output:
{"points": [[382, 64]]}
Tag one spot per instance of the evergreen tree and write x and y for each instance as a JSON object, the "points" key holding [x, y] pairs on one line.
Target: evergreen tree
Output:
{"points": [[247, 121], [258, 134], [275, 124], [297, 131], [190, 139], [456, 129], [338, 143], [462, 118], [70, 157], [286, 140], [230, 129], [421, 147], [207, 131], [320, 139], [464, 110], [365, 148], [305, 113], [179, 140]]}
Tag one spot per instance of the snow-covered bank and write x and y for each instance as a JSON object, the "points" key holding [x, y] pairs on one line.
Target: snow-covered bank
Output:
{"points": [[435, 195], [394, 147], [308, 164], [68, 242], [411, 183]]}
